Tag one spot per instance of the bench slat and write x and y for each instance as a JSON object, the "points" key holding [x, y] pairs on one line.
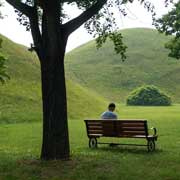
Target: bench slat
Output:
{"points": [[94, 123], [121, 129], [95, 135], [132, 121], [132, 133], [132, 136], [95, 131], [131, 130], [131, 124], [95, 127]]}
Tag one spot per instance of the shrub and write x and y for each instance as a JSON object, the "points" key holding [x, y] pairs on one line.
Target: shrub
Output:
{"points": [[148, 95]]}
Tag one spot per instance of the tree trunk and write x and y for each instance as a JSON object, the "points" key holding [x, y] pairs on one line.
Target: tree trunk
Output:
{"points": [[55, 127], [55, 143]]}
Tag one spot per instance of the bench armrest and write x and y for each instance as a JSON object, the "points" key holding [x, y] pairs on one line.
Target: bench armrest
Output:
{"points": [[155, 131]]}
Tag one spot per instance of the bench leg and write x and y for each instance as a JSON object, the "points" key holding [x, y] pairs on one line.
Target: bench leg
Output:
{"points": [[93, 142], [151, 145]]}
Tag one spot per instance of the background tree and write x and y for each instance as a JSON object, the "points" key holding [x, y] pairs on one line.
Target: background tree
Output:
{"points": [[50, 30], [170, 25], [148, 95]]}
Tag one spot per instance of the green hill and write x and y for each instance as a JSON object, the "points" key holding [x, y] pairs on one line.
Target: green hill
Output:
{"points": [[147, 63], [20, 98], [91, 75]]}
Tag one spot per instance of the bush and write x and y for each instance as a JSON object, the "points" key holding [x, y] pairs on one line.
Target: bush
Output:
{"points": [[148, 95]]}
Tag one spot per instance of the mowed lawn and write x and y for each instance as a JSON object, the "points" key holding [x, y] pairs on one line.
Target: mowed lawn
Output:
{"points": [[20, 149]]}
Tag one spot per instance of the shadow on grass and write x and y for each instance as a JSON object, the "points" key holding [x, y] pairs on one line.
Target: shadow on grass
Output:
{"points": [[84, 164], [128, 149]]}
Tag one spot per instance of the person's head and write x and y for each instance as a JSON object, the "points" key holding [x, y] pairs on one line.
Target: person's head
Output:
{"points": [[111, 107]]}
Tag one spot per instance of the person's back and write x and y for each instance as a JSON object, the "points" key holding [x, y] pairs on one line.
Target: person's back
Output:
{"points": [[109, 114]]}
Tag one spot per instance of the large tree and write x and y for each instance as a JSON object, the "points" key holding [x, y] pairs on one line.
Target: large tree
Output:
{"points": [[50, 30], [170, 25]]}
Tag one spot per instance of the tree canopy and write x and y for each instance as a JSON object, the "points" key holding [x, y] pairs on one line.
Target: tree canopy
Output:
{"points": [[97, 16], [148, 95], [170, 25]]}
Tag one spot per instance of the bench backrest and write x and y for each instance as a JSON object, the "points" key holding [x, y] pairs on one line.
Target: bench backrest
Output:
{"points": [[116, 128]]}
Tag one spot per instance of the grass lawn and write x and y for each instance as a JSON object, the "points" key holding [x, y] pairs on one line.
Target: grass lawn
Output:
{"points": [[20, 148]]}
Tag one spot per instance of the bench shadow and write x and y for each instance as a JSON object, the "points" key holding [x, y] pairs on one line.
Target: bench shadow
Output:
{"points": [[128, 149]]}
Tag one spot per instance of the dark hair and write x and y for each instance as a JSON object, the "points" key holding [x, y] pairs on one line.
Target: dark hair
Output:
{"points": [[111, 105]]}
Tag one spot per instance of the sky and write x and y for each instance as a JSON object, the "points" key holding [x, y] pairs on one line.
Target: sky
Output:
{"points": [[137, 17]]}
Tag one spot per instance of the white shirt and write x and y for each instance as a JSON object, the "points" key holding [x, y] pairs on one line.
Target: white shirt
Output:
{"points": [[108, 115]]}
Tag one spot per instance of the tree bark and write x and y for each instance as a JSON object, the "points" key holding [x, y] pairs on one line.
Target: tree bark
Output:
{"points": [[55, 127]]}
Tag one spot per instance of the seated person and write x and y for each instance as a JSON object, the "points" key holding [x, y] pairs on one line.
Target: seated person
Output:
{"points": [[109, 114]]}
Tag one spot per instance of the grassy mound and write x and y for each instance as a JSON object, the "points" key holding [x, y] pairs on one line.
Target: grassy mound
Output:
{"points": [[147, 63], [20, 98]]}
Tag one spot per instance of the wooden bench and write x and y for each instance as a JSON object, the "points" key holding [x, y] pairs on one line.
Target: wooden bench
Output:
{"points": [[122, 128]]}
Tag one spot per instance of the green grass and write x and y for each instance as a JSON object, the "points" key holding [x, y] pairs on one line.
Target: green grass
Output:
{"points": [[22, 103], [147, 63], [20, 149], [83, 103]]}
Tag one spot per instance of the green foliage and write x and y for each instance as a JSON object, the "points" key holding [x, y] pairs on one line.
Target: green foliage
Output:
{"points": [[148, 95], [174, 46], [116, 38], [170, 25], [104, 25]]}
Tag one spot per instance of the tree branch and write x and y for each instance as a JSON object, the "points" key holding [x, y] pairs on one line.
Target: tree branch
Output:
{"points": [[75, 23], [35, 31], [17, 4]]}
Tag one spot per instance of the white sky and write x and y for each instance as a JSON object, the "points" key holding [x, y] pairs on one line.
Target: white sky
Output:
{"points": [[137, 17]]}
